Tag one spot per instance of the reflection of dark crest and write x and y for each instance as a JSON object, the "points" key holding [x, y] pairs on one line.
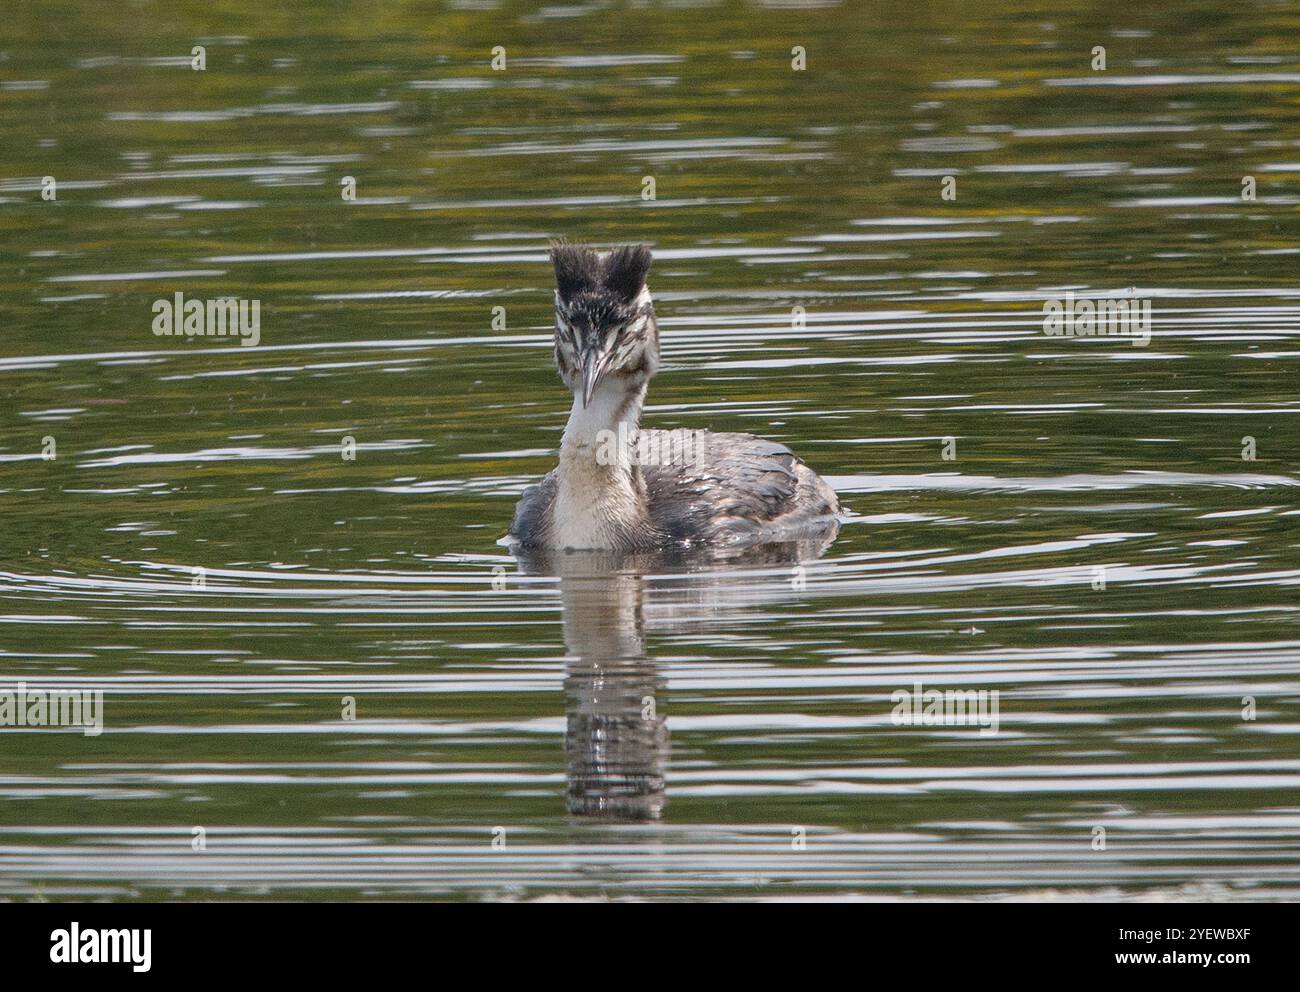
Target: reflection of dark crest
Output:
{"points": [[616, 737]]}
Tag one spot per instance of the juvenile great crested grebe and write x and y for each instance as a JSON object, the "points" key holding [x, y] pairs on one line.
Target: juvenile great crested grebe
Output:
{"points": [[619, 488]]}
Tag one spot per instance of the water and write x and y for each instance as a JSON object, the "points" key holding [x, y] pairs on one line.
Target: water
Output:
{"points": [[1098, 551]]}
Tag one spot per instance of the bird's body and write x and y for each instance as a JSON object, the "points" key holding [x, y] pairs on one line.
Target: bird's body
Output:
{"points": [[741, 490], [619, 488]]}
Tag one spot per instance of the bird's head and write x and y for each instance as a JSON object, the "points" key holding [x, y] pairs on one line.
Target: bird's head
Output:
{"points": [[605, 326]]}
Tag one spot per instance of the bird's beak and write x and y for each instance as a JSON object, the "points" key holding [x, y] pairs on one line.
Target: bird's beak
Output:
{"points": [[593, 370]]}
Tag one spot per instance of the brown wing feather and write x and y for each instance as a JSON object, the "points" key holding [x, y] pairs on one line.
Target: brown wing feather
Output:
{"points": [[732, 487]]}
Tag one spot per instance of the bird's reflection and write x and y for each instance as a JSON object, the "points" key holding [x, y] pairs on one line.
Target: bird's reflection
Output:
{"points": [[616, 735]]}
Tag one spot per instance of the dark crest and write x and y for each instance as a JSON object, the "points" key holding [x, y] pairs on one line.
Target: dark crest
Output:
{"points": [[625, 271], [579, 269]]}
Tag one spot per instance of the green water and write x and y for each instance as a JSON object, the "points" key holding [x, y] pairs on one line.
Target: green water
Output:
{"points": [[1098, 551]]}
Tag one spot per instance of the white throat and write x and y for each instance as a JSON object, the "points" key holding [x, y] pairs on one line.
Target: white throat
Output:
{"points": [[601, 496], [610, 406]]}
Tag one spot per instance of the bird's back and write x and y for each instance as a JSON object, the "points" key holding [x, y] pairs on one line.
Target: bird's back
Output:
{"points": [[732, 488]]}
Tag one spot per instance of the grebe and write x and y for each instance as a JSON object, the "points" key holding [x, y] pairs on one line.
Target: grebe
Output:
{"points": [[618, 488]]}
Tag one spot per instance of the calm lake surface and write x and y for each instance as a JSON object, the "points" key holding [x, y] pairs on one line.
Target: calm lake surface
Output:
{"points": [[361, 690]]}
